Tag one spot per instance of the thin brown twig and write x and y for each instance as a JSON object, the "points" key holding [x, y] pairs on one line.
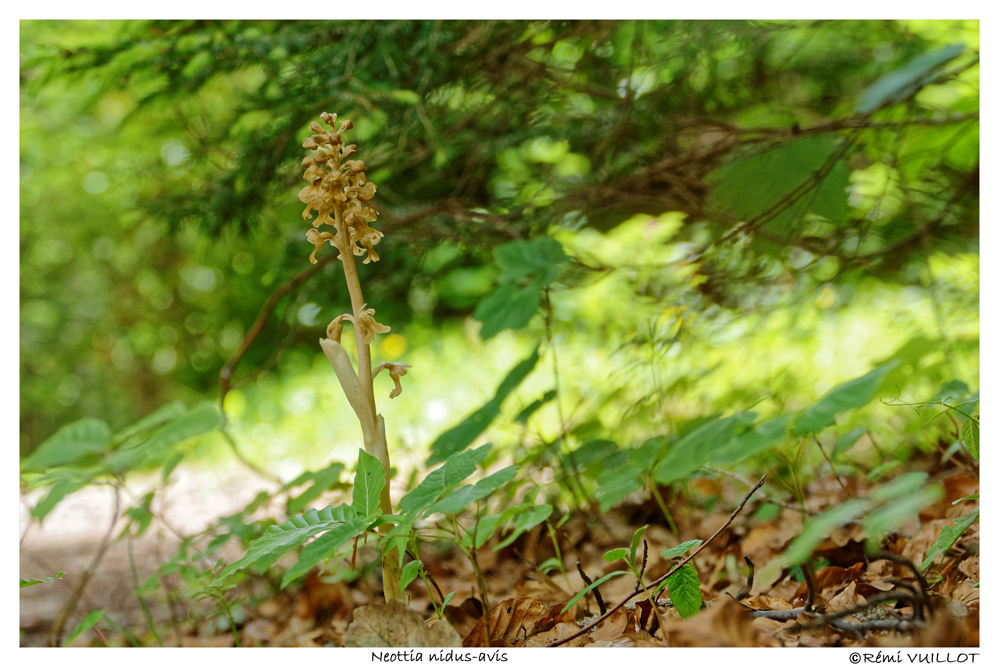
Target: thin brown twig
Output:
{"points": [[225, 375], [74, 598], [582, 631]]}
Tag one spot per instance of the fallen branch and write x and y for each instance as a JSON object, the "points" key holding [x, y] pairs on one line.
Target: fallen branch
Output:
{"points": [[585, 629]]}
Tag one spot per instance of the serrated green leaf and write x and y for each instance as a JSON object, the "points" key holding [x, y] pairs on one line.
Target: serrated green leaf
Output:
{"points": [[322, 546], [454, 470], [409, 574], [579, 596], [541, 257], [901, 83], [680, 549], [70, 444], [848, 396], [510, 306], [685, 591], [464, 434], [949, 535], [462, 498], [970, 434], [84, 625], [368, 484], [616, 554], [279, 539], [34, 582]]}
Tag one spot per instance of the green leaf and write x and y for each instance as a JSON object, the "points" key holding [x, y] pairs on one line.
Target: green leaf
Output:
{"points": [[86, 624], [368, 484], [758, 439], [761, 183], [949, 535], [319, 482], [847, 441], [819, 528], [70, 444], [407, 97], [465, 496], [848, 396], [616, 554], [52, 498], [523, 416], [278, 540], [699, 447], [454, 470], [200, 419], [541, 257], [320, 548], [525, 521], [685, 590], [461, 436], [680, 549], [884, 520], [513, 304], [161, 415], [903, 486], [576, 598], [508, 307], [616, 484], [34, 582], [906, 80], [970, 434], [635, 542], [410, 572]]}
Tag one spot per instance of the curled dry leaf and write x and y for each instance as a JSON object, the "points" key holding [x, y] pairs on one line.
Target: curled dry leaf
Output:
{"points": [[395, 624], [510, 623]]}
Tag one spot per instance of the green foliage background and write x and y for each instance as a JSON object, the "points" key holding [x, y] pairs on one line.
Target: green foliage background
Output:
{"points": [[159, 165]]}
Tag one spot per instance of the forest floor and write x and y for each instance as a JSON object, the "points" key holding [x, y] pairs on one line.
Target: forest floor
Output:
{"points": [[856, 598]]}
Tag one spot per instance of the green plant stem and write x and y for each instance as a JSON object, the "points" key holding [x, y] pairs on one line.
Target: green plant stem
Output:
{"points": [[663, 506]]}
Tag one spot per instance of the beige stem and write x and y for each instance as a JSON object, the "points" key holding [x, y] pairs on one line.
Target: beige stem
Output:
{"points": [[375, 440]]}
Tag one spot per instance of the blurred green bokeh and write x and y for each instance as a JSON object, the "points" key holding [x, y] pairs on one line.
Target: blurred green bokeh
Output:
{"points": [[160, 166]]}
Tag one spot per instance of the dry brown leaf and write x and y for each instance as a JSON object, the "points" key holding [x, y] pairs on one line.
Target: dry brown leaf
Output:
{"points": [[846, 599], [762, 602], [725, 623], [630, 640], [614, 626], [835, 576], [395, 624], [557, 633], [510, 623]]}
